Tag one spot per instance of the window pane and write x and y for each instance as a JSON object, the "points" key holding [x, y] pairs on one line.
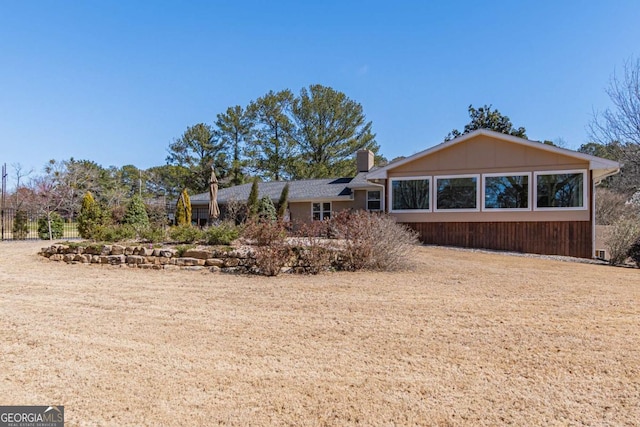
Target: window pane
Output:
{"points": [[506, 192], [373, 195], [373, 205], [321, 211], [457, 193], [373, 200], [565, 190], [410, 194]]}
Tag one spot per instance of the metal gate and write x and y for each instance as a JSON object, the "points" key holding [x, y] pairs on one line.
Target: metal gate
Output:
{"points": [[16, 224]]}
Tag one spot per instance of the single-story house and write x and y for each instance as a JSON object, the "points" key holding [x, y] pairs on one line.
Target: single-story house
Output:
{"points": [[309, 199], [483, 189]]}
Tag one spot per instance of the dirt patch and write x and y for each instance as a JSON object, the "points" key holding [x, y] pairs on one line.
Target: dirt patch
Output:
{"points": [[467, 338]]}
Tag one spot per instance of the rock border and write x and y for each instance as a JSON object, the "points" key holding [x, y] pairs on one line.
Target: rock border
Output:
{"points": [[239, 260]]}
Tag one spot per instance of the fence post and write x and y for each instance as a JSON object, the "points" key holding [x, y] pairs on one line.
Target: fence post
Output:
{"points": [[2, 200]]}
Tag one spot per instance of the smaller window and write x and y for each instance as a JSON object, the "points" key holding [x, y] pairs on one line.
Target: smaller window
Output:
{"points": [[320, 211], [374, 199]]}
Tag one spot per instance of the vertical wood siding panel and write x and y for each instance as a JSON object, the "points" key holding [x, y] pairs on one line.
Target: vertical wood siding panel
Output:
{"points": [[551, 238]]}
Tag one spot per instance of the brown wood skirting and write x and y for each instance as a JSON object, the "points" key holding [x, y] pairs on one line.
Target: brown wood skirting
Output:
{"points": [[569, 238]]}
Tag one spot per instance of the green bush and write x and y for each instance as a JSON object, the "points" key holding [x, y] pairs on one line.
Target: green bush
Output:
{"points": [[223, 234], [136, 214], [153, 234], [57, 226], [181, 249], [20, 225], [185, 233]]}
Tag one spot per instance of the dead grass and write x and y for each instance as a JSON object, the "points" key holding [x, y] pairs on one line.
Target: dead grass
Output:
{"points": [[466, 339]]}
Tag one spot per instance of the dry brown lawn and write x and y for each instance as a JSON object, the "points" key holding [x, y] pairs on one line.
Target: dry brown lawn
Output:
{"points": [[467, 339]]}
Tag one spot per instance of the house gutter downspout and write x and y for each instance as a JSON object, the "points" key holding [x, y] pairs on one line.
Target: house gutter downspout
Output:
{"points": [[594, 184], [593, 216]]}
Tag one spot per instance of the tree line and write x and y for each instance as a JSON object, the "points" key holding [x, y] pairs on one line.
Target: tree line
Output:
{"points": [[279, 136]]}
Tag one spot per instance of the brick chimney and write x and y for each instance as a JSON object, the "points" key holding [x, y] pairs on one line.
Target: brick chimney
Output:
{"points": [[364, 160]]}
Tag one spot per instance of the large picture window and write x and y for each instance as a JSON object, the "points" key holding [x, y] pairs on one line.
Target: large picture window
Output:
{"points": [[457, 193], [410, 194], [506, 191], [321, 211], [561, 190]]}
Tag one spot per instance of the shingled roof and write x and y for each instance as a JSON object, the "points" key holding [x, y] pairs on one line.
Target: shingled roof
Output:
{"points": [[299, 191]]}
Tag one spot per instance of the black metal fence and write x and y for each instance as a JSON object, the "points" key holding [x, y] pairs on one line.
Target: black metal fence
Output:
{"points": [[23, 225]]}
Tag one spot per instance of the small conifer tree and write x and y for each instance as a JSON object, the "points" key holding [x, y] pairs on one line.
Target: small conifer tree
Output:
{"points": [[136, 213], [283, 203], [252, 202], [183, 209], [90, 217], [266, 210]]}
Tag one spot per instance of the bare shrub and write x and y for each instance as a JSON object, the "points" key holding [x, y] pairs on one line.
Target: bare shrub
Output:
{"points": [[634, 252], [235, 211], [610, 206], [264, 232], [374, 242], [271, 258], [621, 236], [272, 250], [311, 247]]}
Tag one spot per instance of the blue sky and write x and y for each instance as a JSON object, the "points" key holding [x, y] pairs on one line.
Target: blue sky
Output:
{"points": [[116, 81]]}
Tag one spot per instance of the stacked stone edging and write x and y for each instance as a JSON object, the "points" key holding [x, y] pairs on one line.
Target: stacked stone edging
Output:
{"points": [[215, 259]]}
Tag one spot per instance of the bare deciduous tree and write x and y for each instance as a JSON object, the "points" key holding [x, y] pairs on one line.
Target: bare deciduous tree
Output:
{"points": [[19, 172], [621, 124]]}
